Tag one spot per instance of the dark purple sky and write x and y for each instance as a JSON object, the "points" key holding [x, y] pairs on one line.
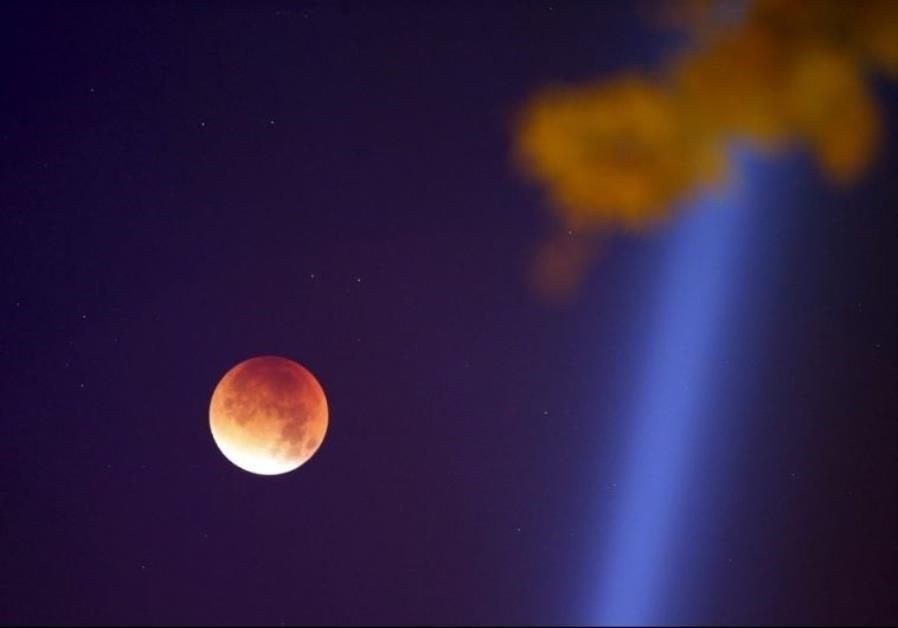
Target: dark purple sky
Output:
{"points": [[187, 185]]}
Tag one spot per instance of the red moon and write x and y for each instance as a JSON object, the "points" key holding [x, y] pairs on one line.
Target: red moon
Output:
{"points": [[268, 415]]}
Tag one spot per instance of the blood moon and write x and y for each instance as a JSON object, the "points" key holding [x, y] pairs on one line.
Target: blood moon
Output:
{"points": [[268, 415]]}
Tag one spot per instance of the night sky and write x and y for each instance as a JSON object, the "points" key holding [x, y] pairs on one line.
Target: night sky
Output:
{"points": [[185, 186]]}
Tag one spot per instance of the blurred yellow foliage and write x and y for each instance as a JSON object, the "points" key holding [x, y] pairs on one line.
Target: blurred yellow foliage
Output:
{"points": [[561, 262], [618, 151], [877, 35], [831, 108], [777, 73], [735, 88]]}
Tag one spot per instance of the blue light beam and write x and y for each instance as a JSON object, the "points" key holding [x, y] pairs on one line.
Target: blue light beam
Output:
{"points": [[668, 413]]}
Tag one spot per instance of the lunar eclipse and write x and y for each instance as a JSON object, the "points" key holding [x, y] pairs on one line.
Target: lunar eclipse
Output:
{"points": [[268, 415]]}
